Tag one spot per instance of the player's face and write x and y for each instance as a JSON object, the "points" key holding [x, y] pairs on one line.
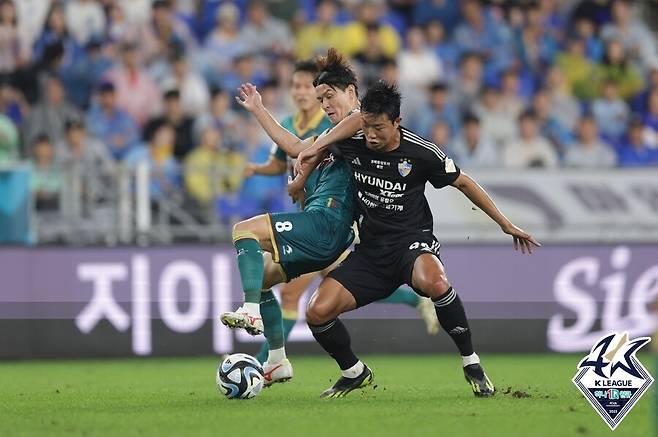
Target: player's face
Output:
{"points": [[335, 102], [381, 133], [302, 91]]}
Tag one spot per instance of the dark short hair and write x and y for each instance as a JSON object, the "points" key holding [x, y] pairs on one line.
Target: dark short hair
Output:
{"points": [[382, 98], [106, 87], [307, 66], [74, 123], [172, 94], [41, 138], [335, 71], [216, 91], [528, 114], [469, 118], [438, 86]]}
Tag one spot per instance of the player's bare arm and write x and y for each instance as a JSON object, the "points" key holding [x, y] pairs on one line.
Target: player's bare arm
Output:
{"points": [[273, 167], [250, 99], [481, 199], [343, 130]]}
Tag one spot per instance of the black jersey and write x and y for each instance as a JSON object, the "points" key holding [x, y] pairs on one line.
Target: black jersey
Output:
{"points": [[390, 186]]}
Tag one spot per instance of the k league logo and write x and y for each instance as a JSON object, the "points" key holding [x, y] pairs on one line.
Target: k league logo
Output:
{"points": [[612, 378]]}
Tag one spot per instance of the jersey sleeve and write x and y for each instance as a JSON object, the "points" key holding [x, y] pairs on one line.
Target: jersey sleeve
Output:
{"points": [[441, 170], [278, 153]]}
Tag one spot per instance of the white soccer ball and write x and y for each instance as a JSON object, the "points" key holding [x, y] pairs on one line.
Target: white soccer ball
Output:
{"points": [[240, 376]]}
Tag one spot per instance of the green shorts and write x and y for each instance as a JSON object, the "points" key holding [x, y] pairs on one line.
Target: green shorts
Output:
{"points": [[307, 241]]}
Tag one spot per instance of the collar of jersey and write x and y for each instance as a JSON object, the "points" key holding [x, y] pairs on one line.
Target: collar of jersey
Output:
{"points": [[313, 123]]}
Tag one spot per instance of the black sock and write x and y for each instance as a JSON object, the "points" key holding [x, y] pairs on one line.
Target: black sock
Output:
{"points": [[452, 317], [335, 339]]}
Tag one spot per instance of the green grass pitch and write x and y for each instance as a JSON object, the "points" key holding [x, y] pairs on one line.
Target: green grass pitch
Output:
{"points": [[414, 396]]}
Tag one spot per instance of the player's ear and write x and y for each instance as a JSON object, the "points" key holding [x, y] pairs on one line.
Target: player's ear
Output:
{"points": [[396, 122]]}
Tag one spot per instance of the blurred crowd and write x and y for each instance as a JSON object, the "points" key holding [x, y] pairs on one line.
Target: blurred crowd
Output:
{"points": [[498, 84]]}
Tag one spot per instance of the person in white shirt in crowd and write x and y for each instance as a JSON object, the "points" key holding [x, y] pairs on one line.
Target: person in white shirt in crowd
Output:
{"points": [[564, 106], [471, 149], [639, 42], [589, 151], [263, 34], [611, 112], [193, 88], [467, 83], [85, 19], [419, 65], [495, 123], [511, 102], [530, 150]]}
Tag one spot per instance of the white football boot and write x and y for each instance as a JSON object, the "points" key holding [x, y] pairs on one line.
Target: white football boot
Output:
{"points": [[277, 372], [240, 318]]}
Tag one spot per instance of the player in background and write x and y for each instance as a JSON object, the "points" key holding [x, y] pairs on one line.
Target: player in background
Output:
{"points": [[396, 227], [310, 121]]}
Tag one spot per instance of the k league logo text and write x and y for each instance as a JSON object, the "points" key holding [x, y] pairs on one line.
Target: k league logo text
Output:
{"points": [[611, 377]]}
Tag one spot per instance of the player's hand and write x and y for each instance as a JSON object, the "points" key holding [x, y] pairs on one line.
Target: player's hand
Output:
{"points": [[296, 189], [249, 170], [521, 238], [248, 97], [304, 157]]}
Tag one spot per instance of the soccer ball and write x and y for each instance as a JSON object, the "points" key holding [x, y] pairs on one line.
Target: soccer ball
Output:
{"points": [[240, 376]]}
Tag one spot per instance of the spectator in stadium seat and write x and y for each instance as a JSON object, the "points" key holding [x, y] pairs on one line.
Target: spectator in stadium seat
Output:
{"points": [[88, 156], [634, 151], [495, 123], [221, 117], [534, 44], [440, 108], [55, 31], [136, 92], [85, 19], [47, 177], [441, 135], [419, 66], [49, 115], [445, 49], [223, 43], [14, 49], [616, 67], [471, 149], [585, 29], [212, 169], [355, 37], [550, 127], [446, 12], [640, 102], [263, 34], [564, 107], [371, 60], [158, 153], [9, 141], [633, 34], [511, 103], [315, 38], [611, 112], [589, 151], [466, 85], [482, 33], [530, 150], [166, 30], [112, 125], [86, 73], [12, 103], [577, 68], [173, 116], [193, 88]]}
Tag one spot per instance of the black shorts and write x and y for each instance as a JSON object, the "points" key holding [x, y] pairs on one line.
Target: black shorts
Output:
{"points": [[372, 272]]}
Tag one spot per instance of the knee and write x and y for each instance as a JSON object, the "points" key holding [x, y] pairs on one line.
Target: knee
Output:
{"points": [[433, 287], [318, 313], [240, 228]]}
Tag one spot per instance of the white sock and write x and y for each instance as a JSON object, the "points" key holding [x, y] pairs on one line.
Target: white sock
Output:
{"points": [[253, 309], [276, 355], [470, 359], [353, 371]]}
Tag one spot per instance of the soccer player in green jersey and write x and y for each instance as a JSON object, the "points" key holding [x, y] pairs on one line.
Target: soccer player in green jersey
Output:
{"points": [[310, 121]]}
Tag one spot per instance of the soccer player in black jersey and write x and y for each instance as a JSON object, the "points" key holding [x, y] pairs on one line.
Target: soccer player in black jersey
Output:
{"points": [[391, 165]]}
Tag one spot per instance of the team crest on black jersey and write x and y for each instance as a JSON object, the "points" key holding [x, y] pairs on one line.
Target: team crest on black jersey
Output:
{"points": [[404, 167]]}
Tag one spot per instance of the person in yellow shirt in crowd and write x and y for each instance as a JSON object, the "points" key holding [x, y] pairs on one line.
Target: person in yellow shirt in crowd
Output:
{"points": [[317, 37], [355, 35], [211, 170]]}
